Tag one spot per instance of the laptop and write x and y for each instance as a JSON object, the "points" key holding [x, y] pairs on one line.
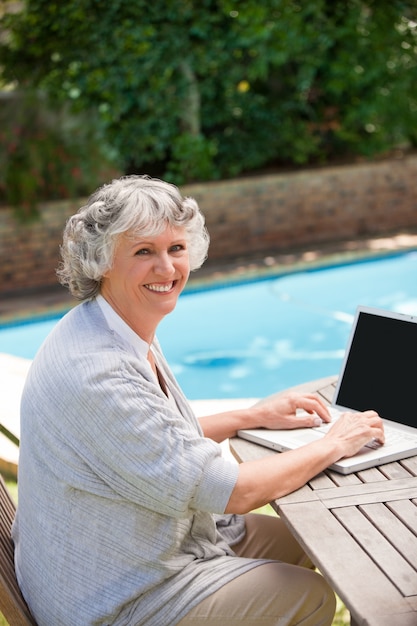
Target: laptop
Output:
{"points": [[379, 372]]}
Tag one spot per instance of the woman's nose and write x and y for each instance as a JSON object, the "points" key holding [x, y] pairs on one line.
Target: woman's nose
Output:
{"points": [[164, 264]]}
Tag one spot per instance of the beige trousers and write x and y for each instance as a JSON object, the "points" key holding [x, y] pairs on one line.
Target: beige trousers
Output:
{"points": [[285, 593]]}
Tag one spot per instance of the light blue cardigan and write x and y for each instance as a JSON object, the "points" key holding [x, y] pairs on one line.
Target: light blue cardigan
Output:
{"points": [[116, 488]]}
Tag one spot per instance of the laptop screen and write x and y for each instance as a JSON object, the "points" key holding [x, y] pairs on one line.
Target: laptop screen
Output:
{"points": [[380, 371]]}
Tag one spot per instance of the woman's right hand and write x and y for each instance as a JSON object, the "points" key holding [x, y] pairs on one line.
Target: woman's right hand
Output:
{"points": [[266, 479], [354, 430]]}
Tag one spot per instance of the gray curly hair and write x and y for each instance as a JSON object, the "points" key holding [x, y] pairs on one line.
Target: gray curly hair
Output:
{"points": [[140, 204]]}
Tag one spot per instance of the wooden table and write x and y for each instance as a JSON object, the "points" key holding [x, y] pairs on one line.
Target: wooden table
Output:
{"points": [[360, 530]]}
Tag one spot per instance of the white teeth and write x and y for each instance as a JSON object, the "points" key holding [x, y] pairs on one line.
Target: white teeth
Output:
{"points": [[159, 288]]}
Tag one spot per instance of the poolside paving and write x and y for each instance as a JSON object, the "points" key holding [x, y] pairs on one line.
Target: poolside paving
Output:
{"points": [[13, 371]]}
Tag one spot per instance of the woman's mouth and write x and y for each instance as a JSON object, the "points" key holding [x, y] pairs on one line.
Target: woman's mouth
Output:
{"points": [[160, 288]]}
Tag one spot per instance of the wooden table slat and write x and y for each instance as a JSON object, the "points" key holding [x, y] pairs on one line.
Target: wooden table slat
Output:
{"points": [[413, 603], [327, 392], [386, 487], [367, 497], [341, 479], [322, 481], [406, 511], [244, 450], [357, 580], [403, 619], [391, 526], [356, 494], [372, 475], [394, 470], [373, 542], [411, 465]]}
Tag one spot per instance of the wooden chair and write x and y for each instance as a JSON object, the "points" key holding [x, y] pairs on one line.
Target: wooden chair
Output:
{"points": [[12, 604]]}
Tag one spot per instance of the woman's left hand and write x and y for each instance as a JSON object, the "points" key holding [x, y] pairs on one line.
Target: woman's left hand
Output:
{"points": [[291, 410], [285, 410]]}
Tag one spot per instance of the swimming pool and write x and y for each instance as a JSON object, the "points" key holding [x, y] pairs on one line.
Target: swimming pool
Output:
{"points": [[254, 338]]}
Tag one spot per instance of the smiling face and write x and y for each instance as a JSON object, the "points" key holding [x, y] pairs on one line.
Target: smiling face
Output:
{"points": [[147, 276]]}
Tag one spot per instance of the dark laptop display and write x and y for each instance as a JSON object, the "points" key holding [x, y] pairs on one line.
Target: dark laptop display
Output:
{"points": [[379, 372], [381, 369]]}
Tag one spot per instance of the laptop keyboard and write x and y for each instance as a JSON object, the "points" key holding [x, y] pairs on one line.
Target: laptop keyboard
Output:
{"points": [[392, 436]]}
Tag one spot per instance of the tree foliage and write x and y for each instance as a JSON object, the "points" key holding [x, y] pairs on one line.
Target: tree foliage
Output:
{"points": [[47, 153], [210, 89]]}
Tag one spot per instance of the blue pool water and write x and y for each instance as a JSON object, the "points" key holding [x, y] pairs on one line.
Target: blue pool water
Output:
{"points": [[252, 339]]}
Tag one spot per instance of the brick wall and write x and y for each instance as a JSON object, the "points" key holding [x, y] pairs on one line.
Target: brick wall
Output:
{"points": [[276, 213], [245, 217]]}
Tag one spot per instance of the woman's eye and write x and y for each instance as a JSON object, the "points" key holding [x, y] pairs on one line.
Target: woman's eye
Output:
{"points": [[177, 248], [142, 251]]}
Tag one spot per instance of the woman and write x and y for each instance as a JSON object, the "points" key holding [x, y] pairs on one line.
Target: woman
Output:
{"points": [[128, 514]]}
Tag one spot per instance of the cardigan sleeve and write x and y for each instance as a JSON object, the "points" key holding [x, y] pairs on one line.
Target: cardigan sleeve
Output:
{"points": [[107, 426]]}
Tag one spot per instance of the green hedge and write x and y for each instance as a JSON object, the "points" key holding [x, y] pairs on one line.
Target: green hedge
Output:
{"points": [[198, 91]]}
